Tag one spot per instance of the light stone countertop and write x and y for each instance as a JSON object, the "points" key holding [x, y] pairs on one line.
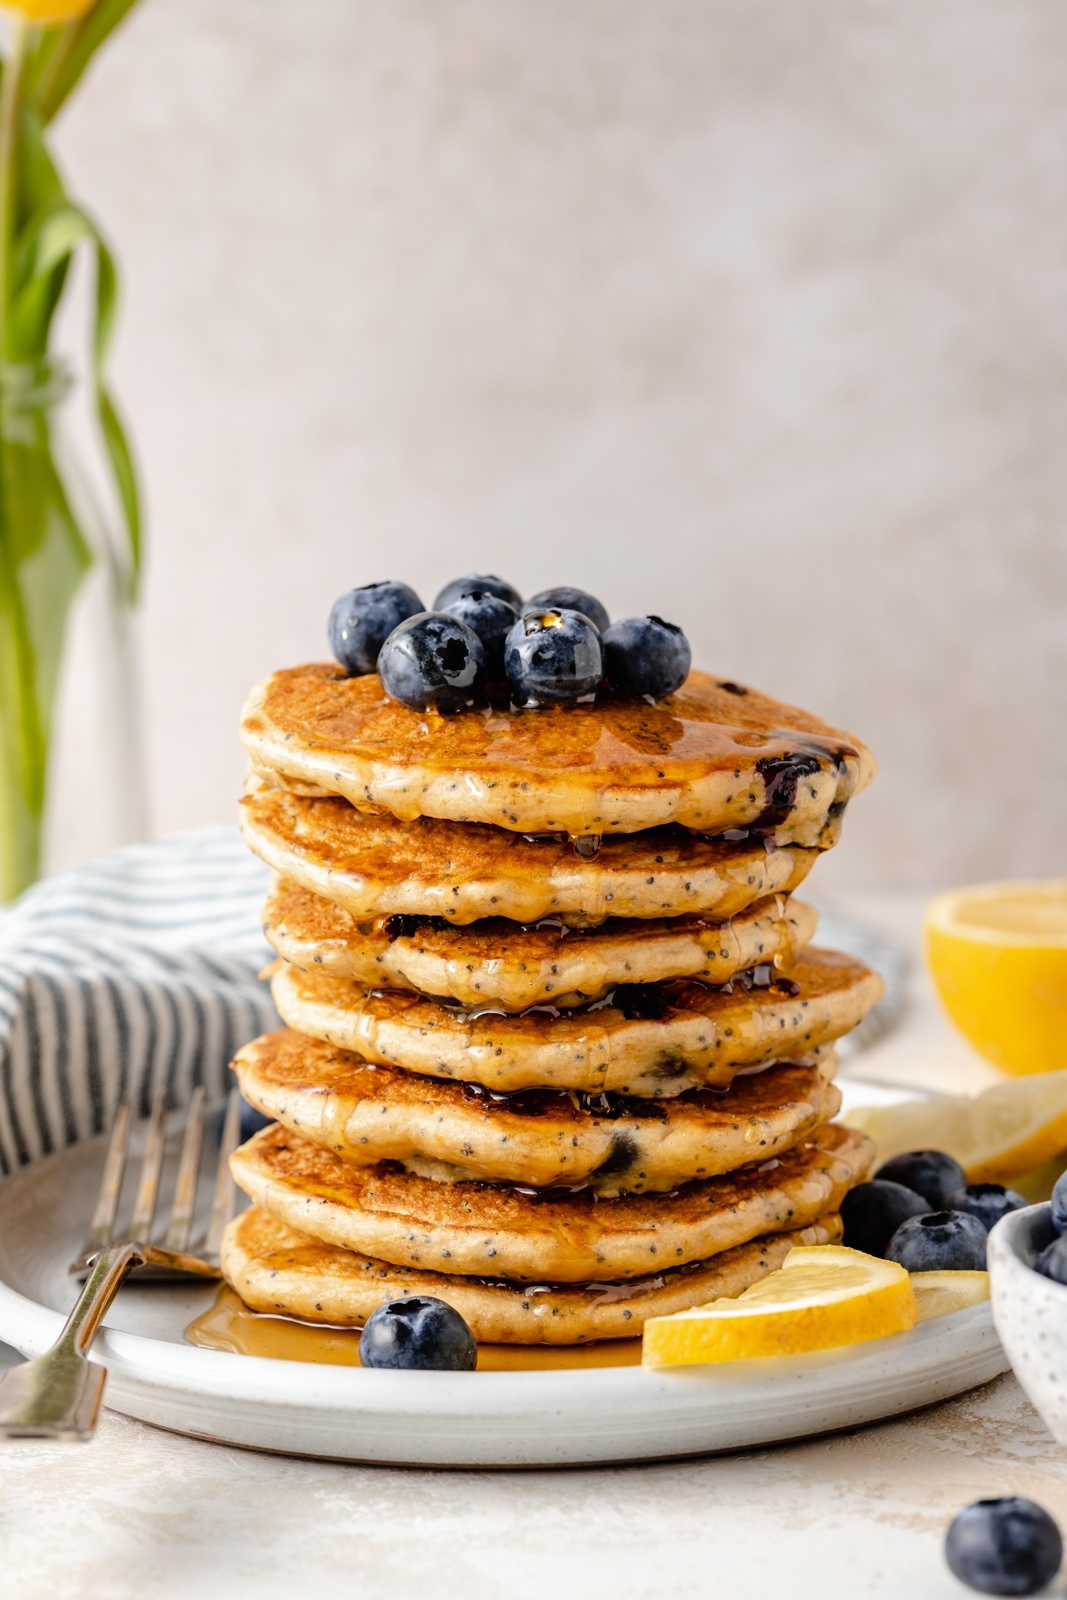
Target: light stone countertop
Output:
{"points": [[140, 1513]]}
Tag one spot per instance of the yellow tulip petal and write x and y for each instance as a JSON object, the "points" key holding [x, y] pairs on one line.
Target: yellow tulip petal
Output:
{"points": [[43, 12]]}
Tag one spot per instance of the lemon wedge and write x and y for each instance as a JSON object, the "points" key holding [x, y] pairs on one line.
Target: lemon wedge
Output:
{"points": [[938, 1293], [995, 1136], [822, 1296], [998, 955]]}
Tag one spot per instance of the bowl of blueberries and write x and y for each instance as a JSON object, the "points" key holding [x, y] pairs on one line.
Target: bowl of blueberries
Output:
{"points": [[1028, 1285]]}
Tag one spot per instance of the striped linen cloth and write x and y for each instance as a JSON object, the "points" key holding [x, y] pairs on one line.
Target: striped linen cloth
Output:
{"points": [[134, 971]]}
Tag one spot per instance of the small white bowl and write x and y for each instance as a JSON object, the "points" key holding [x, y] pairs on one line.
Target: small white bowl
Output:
{"points": [[1030, 1312]]}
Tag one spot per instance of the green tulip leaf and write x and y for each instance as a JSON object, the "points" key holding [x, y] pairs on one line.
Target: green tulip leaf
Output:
{"points": [[44, 551]]}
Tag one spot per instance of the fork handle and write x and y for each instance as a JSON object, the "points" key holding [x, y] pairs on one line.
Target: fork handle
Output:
{"points": [[58, 1396], [102, 1285]]}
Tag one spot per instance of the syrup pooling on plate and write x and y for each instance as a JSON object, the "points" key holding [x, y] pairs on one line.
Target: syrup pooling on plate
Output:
{"points": [[229, 1325]]}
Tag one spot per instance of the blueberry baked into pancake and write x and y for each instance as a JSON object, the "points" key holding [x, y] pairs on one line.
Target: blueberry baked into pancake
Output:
{"points": [[558, 1046]]}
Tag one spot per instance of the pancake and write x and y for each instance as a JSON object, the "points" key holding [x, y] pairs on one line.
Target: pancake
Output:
{"points": [[712, 756], [515, 965], [277, 1270], [455, 1132], [376, 866], [641, 1039], [478, 1228]]}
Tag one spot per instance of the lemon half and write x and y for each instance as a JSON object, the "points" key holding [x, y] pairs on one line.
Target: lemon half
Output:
{"points": [[821, 1297], [998, 955]]}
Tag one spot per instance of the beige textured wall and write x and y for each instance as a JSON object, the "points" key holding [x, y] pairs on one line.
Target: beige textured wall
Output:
{"points": [[750, 314]]}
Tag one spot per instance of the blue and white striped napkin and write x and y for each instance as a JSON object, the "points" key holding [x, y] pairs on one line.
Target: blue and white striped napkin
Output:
{"points": [[135, 971]]}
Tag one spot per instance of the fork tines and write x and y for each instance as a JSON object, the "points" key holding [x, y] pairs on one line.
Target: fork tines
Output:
{"points": [[172, 1259]]}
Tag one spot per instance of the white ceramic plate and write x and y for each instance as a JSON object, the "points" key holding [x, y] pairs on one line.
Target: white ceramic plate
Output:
{"points": [[574, 1417]]}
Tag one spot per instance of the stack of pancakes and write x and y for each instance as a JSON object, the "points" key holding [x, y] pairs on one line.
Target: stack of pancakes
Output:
{"points": [[559, 1050]]}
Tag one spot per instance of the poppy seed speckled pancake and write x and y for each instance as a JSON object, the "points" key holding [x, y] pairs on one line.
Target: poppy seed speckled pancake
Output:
{"points": [[516, 965], [280, 1271], [655, 1039], [480, 1228], [714, 755], [376, 866], [368, 1114]]}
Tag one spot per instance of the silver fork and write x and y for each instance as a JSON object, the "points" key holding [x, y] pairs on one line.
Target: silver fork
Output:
{"points": [[58, 1395], [178, 1263]]}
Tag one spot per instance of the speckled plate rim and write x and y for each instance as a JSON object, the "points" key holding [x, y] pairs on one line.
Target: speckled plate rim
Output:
{"points": [[576, 1417]]}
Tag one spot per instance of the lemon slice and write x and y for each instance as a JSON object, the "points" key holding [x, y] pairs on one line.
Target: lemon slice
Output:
{"points": [[821, 1296], [938, 1293], [998, 955], [995, 1136]]}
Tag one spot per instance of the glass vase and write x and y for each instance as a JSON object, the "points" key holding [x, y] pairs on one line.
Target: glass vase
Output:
{"points": [[70, 752]]}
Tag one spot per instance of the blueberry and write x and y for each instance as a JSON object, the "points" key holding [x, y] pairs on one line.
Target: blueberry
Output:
{"points": [[1059, 1204], [940, 1241], [1007, 1546], [491, 619], [872, 1213], [566, 599], [363, 619], [552, 657], [1052, 1262], [930, 1173], [646, 656], [478, 580], [986, 1201], [420, 1332], [433, 660]]}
